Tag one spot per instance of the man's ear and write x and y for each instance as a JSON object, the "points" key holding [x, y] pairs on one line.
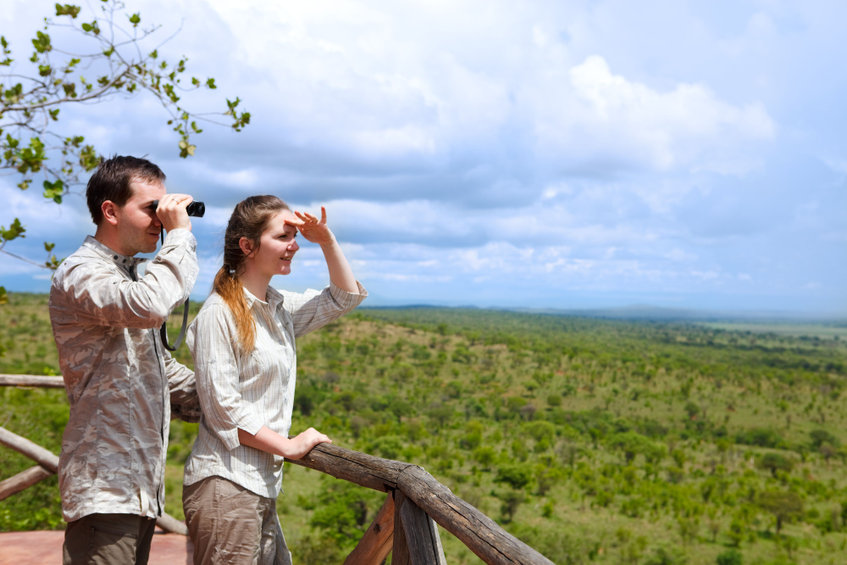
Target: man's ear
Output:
{"points": [[246, 246], [110, 211]]}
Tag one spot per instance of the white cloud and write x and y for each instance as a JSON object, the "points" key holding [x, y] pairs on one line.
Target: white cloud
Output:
{"points": [[472, 149], [597, 112]]}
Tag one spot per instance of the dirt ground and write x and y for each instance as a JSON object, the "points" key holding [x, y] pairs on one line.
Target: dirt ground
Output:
{"points": [[45, 548]]}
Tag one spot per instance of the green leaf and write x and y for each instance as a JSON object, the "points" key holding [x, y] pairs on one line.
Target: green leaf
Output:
{"points": [[135, 19], [92, 27], [67, 10], [41, 42], [15, 230], [54, 190], [4, 296]]}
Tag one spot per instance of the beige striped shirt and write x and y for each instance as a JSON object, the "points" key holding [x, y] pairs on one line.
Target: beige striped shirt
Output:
{"points": [[118, 378], [253, 390]]}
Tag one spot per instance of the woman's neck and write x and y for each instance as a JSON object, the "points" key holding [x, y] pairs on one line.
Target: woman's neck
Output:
{"points": [[256, 283]]}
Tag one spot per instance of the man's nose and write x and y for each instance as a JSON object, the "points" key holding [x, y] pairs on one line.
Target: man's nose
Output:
{"points": [[293, 246]]}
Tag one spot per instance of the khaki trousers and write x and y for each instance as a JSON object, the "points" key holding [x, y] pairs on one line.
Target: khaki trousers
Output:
{"points": [[230, 525], [104, 539]]}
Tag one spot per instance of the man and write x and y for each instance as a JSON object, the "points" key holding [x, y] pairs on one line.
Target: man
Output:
{"points": [[119, 379]]}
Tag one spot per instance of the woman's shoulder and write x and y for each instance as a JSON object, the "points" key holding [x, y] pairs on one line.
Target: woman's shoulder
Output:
{"points": [[214, 306]]}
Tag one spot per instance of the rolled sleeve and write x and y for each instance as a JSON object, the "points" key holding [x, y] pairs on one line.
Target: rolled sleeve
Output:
{"points": [[314, 309]]}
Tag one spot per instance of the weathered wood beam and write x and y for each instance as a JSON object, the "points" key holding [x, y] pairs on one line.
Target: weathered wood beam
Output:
{"points": [[171, 524], [375, 545], [31, 380], [421, 534], [22, 445], [23, 480], [478, 532], [365, 470], [50, 462], [400, 554]]}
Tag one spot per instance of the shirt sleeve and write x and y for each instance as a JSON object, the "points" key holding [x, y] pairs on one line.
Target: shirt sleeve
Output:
{"points": [[314, 309], [211, 339], [106, 297], [185, 405]]}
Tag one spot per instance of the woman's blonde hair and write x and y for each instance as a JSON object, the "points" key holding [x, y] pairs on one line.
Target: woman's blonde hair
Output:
{"points": [[248, 220]]}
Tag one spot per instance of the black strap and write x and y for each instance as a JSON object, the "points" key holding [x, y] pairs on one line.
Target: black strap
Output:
{"points": [[163, 331]]}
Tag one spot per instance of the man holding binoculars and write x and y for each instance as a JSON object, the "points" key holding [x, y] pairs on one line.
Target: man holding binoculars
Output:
{"points": [[120, 382]]}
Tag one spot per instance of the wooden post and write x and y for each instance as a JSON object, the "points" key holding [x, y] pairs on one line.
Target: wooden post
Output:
{"points": [[375, 545], [400, 555], [478, 532], [421, 535]]}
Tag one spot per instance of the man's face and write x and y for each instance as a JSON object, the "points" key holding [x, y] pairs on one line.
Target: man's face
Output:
{"points": [[138, 225]]}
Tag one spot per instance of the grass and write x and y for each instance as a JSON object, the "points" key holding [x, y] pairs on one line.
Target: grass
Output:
{"points": [[594, 441]]}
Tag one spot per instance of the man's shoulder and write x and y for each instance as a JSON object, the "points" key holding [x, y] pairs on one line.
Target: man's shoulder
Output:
{"points": [[84, 256]]}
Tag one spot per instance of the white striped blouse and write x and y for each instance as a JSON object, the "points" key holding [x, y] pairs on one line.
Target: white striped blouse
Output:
{"points": [[253, 390]]}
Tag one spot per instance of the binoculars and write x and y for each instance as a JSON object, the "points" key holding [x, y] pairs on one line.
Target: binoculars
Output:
{"points": [[196, 209]]}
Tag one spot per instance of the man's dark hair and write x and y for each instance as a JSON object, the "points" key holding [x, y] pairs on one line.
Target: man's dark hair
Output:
{"points": [[111, 182]]}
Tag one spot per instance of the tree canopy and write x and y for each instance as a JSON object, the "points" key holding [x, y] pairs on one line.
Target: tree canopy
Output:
{"points": [[75, 59]]}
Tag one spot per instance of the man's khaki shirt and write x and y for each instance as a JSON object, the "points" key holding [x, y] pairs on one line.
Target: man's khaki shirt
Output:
{"points": [[120, 380]]}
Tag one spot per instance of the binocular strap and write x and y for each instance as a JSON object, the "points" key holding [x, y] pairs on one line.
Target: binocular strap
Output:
{"points": [[163, 331]]}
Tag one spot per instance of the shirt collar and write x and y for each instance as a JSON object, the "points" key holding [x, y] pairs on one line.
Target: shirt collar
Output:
{"points": [[274, 298], [106, 252]]}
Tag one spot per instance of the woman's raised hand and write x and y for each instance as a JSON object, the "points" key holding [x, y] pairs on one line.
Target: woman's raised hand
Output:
{"points": [[314, 230]]}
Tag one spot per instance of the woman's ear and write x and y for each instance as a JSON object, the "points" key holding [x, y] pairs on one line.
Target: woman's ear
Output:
{"points": [[246, 246], [109, 210]]}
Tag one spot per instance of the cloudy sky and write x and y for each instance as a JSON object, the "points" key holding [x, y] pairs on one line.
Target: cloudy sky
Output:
{"points": [[562, 154]]}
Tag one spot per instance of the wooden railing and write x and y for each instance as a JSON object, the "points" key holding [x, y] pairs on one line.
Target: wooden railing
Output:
{"points": [[404, 527]]}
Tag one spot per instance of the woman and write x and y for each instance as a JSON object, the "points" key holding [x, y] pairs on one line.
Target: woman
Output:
{"points": [[245, 365]]}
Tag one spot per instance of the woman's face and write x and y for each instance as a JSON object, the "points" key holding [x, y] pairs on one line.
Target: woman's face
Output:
{"points": [[277, 245]]}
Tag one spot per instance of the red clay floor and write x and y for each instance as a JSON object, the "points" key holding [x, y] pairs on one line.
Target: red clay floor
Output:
{"points": [[45, 548]]}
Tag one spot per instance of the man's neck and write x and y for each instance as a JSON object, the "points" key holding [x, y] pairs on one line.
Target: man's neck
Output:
{"points": [[110, 240]]}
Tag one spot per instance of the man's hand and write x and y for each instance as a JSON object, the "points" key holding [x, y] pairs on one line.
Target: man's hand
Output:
{"points": [[171, 211]]}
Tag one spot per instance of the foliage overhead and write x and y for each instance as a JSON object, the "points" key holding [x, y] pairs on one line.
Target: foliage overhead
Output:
{"points": [[79, 59]]}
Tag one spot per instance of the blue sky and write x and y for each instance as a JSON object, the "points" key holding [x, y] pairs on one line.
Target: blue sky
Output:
{"points": [[561, 154]]}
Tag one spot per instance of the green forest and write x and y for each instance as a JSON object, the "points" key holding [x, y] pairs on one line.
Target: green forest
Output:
{"points": [[593, 440]]}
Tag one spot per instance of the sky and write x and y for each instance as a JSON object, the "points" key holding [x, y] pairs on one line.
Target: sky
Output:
{"points": [[563, 154]]}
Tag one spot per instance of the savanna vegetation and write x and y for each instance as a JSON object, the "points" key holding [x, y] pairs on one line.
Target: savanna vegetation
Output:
{"points": [[595, 441]]}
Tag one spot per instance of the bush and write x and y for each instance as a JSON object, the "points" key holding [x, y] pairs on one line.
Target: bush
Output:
{"points": [[729, 557]]}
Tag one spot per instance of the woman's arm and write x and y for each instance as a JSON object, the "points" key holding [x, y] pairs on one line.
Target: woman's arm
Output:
{"points": [[340, 272], [294, 448]]}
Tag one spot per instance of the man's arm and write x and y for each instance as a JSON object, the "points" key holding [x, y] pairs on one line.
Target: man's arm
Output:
{"points": [[185, 404]]}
